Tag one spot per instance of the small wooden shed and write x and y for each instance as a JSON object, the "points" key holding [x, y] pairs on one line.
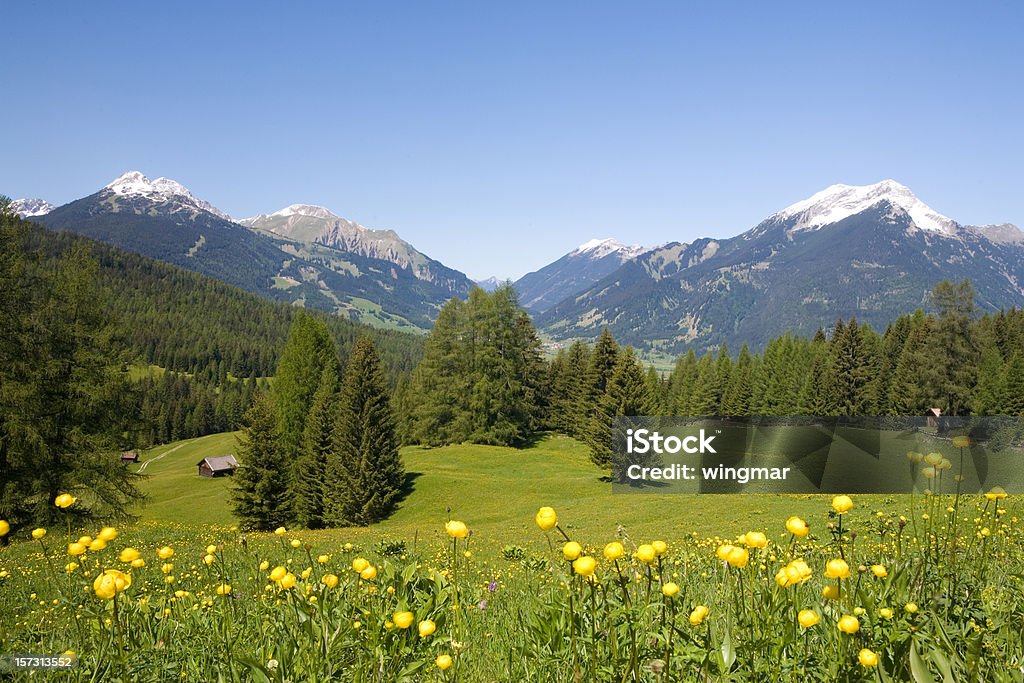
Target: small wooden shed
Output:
{"points": [[217, 466], [129, 456], [933, 415]]}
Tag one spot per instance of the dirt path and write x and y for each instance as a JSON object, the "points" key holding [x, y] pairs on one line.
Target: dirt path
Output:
{"points": [[142, 468]]}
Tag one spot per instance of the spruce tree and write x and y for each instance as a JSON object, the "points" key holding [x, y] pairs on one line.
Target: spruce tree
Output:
{"points": [[317, 442], [626, 394], [261, 496], [364, 470]]}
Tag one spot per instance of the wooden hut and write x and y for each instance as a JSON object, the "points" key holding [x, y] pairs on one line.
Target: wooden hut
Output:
{"points": [[129, 456], [217, 466]]}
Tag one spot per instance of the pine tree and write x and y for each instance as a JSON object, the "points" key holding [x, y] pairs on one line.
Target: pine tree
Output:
{"points": [[365, 475], [261, 496], [441, 381], [626, 395], [952, 367], [317, 442], [600, 367], [736, 399], [310, 350], [990, 391]]}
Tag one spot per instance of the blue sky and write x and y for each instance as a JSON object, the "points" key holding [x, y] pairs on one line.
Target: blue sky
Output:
{"points": [[497, 137]]}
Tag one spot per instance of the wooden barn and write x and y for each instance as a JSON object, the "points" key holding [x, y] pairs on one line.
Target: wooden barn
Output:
{"points": [[217, 466], [129, 456]]}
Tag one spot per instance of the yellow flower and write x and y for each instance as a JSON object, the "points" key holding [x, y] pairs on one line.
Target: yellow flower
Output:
{"points": [[110, 583], [961, 441], [842, 504], [97, 545], [5, 528], [867, 658], [288, 580], [755, 539], [571, 550], [660, 547], [167, 567], [277, 573], [264, 565], [915, 457], [996, 493], [209, 559], [698, 615], [910, 608], [830, 592], [738, 557], [933, 458], [280, 531], [369, 573], [443, 662], [138, 562], [584, 565], [76, 549], [723, 552], [614, 551], [546, 518], [165, 553], [885, 613], [849, 624], [323, 559], [426, 627], [797, 526], [359, 564], [224, 589], [794, 573], [456, 529], [70, 567], [211, 549], [837, 569], [296, 543], [64, 500], [306, 572], [807, 618], [38, 533], [129, 555], [645, 553], [403, 619], [330, 580], [107, 533], [85, 540], [670, 589], [929, 472], [879, 570]]}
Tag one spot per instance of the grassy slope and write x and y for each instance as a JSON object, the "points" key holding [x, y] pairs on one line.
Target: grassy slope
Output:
{"points": [[495, 490]]}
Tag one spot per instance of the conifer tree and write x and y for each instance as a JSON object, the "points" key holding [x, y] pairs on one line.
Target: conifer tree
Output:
{"points": [[317, 442], [441, 381], [736, 399], [626, 394], [364, 471], [261, 496]]}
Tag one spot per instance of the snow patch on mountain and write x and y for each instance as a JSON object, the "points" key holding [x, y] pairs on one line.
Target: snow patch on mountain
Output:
{"points": [[28, 208], [838, 202], [599, 248], [135, 184]]}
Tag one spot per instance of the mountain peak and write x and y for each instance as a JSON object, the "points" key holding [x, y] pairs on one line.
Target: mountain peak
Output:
{"points": [[306, 210], [30, 208], [136, 184], [599, 248], [837, 202]]}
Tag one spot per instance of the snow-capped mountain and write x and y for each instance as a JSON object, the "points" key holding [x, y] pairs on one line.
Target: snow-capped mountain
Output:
{"points": [[873, 252], [573, 272], [599, 248], [134, 184], [838, 202], [162, 219], [316, 225], [30, 208]]}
